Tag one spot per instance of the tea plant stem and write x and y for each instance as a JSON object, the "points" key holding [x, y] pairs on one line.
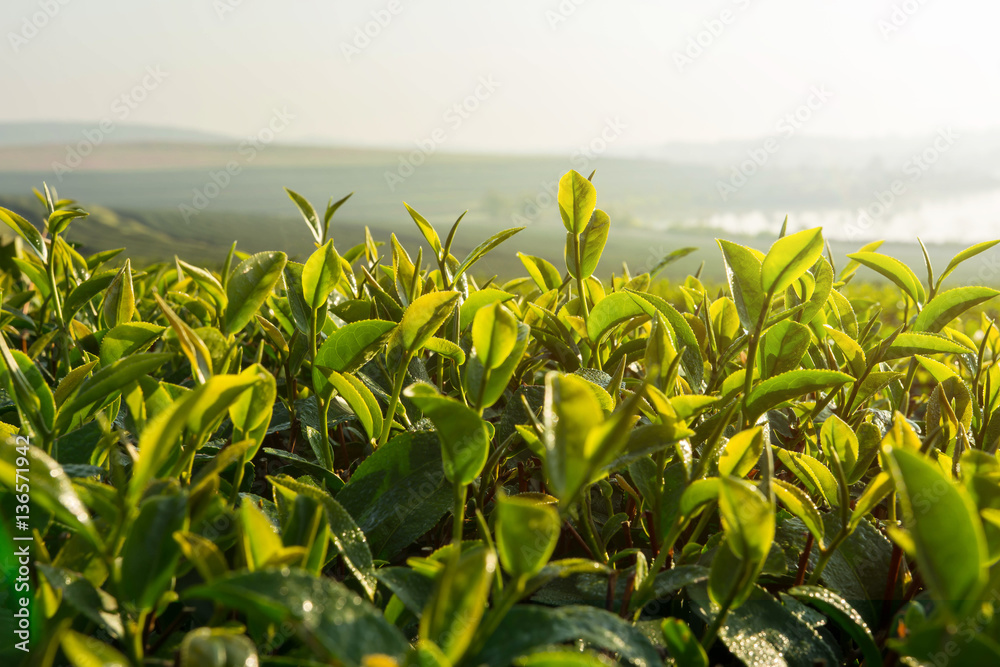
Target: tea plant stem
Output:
{"points": [[845, 409], [584, 307], [321, 403], [237, 480], [56, 301], [397, 389], [481, 394], [511, 594], [491, 466], [800, 577], [825, 555], [752, 355], [587, 523], [641, 596], [133, 637], [907, 384], [713, 630], [461, 491], [324, 431], [57, 304], [706, 516]]}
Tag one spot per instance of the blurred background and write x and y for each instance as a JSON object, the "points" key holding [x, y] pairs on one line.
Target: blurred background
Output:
{"points": [[178, 124]]}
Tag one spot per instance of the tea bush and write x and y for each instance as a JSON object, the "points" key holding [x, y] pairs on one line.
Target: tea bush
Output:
{"points": [[374, 458]]}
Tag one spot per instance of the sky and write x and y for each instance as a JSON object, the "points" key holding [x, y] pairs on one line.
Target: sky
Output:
{"points": [[518, 75]]}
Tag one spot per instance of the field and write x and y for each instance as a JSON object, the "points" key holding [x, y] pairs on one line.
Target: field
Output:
{"points": [[444, 444], [135, 193]]}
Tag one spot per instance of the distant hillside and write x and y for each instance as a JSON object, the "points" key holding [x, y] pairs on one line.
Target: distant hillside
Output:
{"points": [[159, 235], [38, 133]]}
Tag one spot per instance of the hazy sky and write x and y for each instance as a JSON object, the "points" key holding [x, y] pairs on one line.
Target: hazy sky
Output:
{"points": [[556, 73]]}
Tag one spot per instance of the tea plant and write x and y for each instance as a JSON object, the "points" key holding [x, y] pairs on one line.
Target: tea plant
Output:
{"points": [[377, 458]]}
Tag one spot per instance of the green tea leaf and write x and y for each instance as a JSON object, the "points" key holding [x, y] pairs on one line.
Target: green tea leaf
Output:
{"points": [[82, 294], [611, 311], [465, 442], [87, 651], [27, 231], [747, 519], [816, 476], [528, 627], [320, 275], [483, 248], [741, 453], [192, 345], [790, 386], [894, 270], [251, 411], [764, 632], [526, 533], [478, 300], [946, 306], [498, 379], [459, 602], [49, 485], [592, 242], [577, 201], [966, 254], [743, 271], [349, 347], [838, 437], [571, 413], [207, 282], [426, 229], [782, 347], [398, 493], [908, 344], [789, 258], [150, 554], [248, 288], [838, 609], [308, 214], [204, 554], [128, 339], [332, 619], [104, 385], [494, 334], [682, 644], [424, 317], [344, 532], [945, 529], [798, 503], [545, 275], [119, 300], [22, 380]]}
